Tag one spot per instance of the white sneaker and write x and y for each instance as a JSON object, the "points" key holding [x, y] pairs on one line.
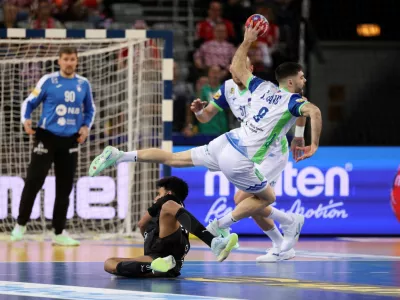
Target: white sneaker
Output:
{"points": [[213, 228], [18, 233], [274, 255], [222, 247], [291, 232], [163, 264]]}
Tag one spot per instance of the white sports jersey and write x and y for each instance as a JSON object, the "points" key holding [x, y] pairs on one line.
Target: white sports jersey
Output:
{"points": [[229, 95], [272, 113]]}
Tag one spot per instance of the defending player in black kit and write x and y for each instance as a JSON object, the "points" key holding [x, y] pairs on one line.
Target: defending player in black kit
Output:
{"points": [[165, 228]]}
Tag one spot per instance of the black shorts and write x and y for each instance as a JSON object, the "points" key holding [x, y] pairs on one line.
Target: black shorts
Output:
{"points": [[176, 244]]}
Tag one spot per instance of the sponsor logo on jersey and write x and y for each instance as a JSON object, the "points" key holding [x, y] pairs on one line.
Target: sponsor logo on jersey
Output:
{"points": [[217, 95], [36, 92], [301, 100]]}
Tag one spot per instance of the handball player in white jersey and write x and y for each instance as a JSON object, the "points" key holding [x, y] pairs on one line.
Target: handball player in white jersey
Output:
{"points": [[237, 97], [238, 152]]}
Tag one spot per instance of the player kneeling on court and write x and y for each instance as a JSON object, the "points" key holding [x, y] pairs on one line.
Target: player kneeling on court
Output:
{"points": [[165, 228]]}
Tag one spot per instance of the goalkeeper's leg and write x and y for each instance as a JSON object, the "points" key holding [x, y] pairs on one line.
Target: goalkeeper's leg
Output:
{"points": [[112, 156], [41, 160], [65, 161]]}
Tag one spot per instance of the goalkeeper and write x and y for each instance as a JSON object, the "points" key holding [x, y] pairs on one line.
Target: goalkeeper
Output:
{"points": [[67, 114]]}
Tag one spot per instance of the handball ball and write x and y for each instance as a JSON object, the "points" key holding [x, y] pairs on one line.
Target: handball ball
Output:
{"points": [[395, 196], [256, 19]]}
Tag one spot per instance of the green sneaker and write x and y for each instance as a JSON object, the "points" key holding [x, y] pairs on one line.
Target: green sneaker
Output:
{"points": [[216, 231], [163, 264], [18, 233], [107, 158], [222, 247], [64, 239]]}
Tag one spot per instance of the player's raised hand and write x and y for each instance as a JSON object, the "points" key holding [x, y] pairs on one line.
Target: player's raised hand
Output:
{"points": [[308, 152], [28, 127], [83, 134], [297, 142], [197, 105], [251, 33]]}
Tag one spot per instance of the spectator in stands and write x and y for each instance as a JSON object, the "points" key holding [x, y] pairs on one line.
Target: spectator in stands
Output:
{"points": [[78, 10], [191, 128], [237, 13], [182, 94], [271, 37], [220, 123], [42, 18], [205, 29], [217, 52], [16, 11]]}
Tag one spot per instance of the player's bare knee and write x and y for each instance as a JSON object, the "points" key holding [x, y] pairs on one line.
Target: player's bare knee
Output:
{"points": [[110, 265], [240, 196], [267, 196]]}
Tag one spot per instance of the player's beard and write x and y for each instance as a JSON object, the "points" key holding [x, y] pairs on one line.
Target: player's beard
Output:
{"points": [[68, 71], [299, 90]]}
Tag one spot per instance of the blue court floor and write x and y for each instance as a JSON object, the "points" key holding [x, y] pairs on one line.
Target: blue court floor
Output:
{"points": [[332, 272]]}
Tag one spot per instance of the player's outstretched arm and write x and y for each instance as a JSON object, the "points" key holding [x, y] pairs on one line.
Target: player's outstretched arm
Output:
{"points": [[240, 57], [203, 115], [313, 112]]}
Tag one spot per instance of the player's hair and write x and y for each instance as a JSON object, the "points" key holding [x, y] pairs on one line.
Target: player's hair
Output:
{"points": [[68, 50], [287, 69], [173, 184]]}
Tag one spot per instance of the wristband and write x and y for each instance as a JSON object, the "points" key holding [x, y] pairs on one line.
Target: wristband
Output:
{"points": [[198, 113], [299, 131]]}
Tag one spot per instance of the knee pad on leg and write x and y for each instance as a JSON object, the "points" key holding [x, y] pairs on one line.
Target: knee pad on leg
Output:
{"points": [[133, 268]]}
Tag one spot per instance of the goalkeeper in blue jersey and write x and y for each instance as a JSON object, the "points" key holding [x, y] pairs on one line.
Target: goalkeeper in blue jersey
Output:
{"points": [[68, 112]]}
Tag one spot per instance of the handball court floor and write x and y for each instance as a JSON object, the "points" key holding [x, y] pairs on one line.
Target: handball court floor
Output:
{"points": [[343, 268]]}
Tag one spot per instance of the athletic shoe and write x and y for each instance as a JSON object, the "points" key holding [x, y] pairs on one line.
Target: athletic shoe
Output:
{"points": [[107, 158], [18, 233], [64, 239], [274, 254], [291, 232], [213, 228], [163, 264], [222, 247]]}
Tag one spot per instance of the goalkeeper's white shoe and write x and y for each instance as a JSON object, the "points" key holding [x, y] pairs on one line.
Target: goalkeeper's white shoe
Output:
{"points": [[107, 158]]}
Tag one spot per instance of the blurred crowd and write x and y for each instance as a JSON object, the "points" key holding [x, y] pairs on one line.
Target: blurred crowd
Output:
{"points": [[218, 34]]}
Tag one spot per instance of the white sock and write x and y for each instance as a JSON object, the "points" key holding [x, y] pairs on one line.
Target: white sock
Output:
{"points": [[128, 156], [275, 235], [226, 221], [280, 216]]}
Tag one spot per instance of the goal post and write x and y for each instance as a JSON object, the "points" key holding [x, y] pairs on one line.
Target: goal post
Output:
{"points": [[131, 73]]}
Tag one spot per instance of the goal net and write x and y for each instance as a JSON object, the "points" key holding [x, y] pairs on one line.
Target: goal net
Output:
{"points": [[127, 85]]}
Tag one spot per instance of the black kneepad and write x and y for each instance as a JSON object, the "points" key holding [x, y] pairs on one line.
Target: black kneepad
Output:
{"points": [[133, 268]]}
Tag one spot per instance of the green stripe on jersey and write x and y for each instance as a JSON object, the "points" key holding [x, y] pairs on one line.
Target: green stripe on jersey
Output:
{"points": [[260, 154], [248, 81], [217, 106], [284, 144], [259, 175], [301, 107]]}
